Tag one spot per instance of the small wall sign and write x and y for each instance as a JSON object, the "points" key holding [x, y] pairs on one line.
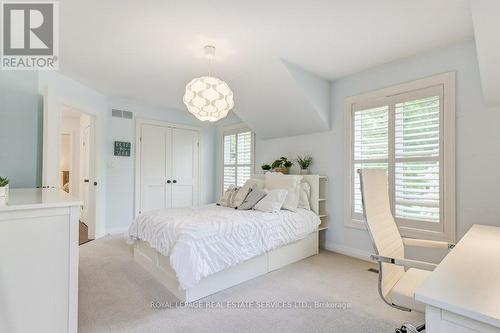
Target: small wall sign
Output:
{"points": [[122, 148]]}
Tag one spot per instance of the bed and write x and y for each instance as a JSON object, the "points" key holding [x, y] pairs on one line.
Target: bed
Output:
{"points": [[195, 252]]}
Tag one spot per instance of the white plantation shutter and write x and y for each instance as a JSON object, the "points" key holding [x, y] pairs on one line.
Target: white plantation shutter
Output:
{"points": [[370, 146], [417, 158], [404, 134], [238, 157]]}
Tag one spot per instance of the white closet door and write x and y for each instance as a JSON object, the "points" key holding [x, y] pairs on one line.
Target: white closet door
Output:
{"points": [[185, 167], [154, 143]]}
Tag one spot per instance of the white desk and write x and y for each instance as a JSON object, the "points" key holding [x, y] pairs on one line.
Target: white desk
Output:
{"points": [[39, 262], [463, 293]]}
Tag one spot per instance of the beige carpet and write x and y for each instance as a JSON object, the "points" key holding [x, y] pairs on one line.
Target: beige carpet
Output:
{"points": [[116, 294]]}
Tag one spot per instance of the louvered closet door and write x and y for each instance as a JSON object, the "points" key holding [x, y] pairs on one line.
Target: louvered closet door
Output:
{"points": [[155, 192], [185, 167]]}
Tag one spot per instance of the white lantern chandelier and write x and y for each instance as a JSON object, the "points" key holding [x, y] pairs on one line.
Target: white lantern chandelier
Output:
{"points": [[208, 98]]}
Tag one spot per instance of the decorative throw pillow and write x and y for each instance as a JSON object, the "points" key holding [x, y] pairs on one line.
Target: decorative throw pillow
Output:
{"points": [[272, 202], [227, 197], [252, 199], [240, 195], [304, 196]]}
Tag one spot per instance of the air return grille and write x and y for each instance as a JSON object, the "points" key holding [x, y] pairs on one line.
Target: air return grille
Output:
{"points": [[122, 114]]}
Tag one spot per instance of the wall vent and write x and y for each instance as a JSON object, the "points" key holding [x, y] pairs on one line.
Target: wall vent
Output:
{"points": [[122, 114]]}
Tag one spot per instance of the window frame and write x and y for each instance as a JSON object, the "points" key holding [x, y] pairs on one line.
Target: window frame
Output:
{"points": [[229, 130], [446, 231]]}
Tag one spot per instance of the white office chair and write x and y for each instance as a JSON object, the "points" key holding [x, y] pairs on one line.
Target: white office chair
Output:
{"points": [[396, 285]]}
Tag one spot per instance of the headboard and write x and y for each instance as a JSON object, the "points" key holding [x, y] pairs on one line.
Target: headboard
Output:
{"points": [[313, 181]]}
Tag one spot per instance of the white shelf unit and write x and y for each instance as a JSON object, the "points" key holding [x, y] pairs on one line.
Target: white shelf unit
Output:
{"points": [[318, 198]]}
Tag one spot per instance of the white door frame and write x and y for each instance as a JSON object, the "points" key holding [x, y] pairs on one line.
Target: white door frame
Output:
{"points": [[51, 139], [71, 153], [58, 102], [142, 121]]}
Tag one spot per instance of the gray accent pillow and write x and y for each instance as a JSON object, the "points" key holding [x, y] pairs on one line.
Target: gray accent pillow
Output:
{"points": [[252, 198]]}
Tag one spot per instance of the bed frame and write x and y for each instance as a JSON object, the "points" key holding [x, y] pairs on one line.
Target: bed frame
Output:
{"points": [[159, 265]]}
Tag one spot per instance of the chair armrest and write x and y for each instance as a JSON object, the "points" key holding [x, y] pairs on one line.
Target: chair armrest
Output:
{"points": [[408, 263], [428, 243]]}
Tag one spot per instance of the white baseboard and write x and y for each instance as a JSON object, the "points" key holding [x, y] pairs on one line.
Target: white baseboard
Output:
{"points": [[348, 251]]}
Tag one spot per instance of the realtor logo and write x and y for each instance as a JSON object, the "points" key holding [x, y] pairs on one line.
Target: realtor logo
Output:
{"points": [[29, 35]]}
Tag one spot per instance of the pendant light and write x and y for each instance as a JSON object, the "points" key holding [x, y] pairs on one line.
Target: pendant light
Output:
{"points": [[208, 98]]}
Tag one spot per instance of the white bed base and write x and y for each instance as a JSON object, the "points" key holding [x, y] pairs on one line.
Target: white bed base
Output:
{"points": [[158, 265]]}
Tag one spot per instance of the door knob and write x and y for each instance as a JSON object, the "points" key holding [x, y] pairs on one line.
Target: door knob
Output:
{"points": [[168, 181], [175, 181]]}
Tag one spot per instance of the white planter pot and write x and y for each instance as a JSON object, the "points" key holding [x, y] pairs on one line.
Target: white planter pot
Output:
{"points": [[304, 171], [4, 191]]}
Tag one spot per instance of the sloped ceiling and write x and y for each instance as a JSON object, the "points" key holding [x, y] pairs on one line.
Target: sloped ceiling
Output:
{"points": [[279, 99], [486, 28]]}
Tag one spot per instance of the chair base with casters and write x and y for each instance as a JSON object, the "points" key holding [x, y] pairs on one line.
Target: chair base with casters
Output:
{"points": [[409, 328], [399, 277]]}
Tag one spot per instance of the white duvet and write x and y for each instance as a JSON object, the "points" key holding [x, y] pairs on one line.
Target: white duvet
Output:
{"points": [[205, 240]]}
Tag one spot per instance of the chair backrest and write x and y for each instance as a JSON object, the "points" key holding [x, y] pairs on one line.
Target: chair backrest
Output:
{"points": [[381, 225]]}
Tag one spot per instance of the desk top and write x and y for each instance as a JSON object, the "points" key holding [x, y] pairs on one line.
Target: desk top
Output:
{"points": [[467, 281], [33, 198]]}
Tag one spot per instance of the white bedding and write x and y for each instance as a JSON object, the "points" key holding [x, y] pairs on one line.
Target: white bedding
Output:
{"points": [[205, 240]]}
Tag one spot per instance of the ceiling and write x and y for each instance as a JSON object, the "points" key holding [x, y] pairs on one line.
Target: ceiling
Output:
{"points": [[147, 51]]}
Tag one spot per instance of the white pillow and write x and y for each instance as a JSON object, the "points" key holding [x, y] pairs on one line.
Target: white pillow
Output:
{"points": [[292, 199], [277, 180], [304, 196], [272, 202]]}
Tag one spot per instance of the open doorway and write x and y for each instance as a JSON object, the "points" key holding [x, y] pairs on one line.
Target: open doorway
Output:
{"points": [[77, 165]]}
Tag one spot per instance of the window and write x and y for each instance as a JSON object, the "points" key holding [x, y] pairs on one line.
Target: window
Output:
{"points": [[238, 157], [409, 131]]}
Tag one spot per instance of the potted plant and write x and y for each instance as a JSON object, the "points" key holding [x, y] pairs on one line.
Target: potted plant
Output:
{"points": [[4, 187], [282, 165], [304, 163], [266, 167]]}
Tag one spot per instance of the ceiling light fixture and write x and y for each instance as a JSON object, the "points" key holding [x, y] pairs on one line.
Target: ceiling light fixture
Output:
{"points": [[208, 98]]}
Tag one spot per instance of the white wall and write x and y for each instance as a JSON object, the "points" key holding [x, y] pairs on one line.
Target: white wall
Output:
{"points": [[478, 139], [121, 170]]}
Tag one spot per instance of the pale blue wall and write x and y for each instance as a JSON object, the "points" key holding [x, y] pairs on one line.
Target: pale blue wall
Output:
{"points": [[477, 136], [20, 128], [477, 141], [121, 170]]}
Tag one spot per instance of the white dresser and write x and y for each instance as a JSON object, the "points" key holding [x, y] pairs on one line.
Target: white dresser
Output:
{"points": [[39, 262]]}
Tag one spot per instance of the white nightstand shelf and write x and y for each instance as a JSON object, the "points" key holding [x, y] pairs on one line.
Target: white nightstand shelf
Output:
{"points": [[318, 204]]}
